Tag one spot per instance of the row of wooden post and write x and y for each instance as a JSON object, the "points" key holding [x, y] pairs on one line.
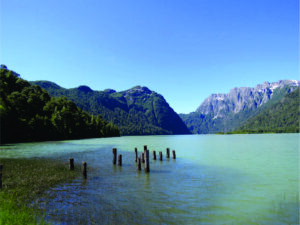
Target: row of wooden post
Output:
{"points": [[114, 151], [144, 158], [154, 154], [84, 167], [161, 155]]}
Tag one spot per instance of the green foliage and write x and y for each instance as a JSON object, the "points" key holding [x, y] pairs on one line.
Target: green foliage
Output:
{"points": [[137, 111], [24, 181], [282, 117], [28, 113], [2, 66], [203, 124]]}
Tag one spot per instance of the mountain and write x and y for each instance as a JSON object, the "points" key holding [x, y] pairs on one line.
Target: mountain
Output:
{"points": [[137, 111], [227, 112], [28, 113], [282, 117]]}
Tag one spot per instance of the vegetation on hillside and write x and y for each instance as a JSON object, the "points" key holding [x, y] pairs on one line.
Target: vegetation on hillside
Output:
{"points": [[26, 180], [28, 113], [202, 124], [137, 111], [282, 117]]}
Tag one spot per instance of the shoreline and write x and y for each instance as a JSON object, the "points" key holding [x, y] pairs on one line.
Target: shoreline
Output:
{"points": [[24, 181]]}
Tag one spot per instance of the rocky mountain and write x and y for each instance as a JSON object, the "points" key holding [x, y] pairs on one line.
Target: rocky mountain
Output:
{"points": [[282, 117], [137, 111], [226, 112]]}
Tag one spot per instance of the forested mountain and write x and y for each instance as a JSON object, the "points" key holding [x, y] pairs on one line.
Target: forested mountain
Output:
{"points": [[282, 117], [28, 113], [227, 112], [137, 111]]}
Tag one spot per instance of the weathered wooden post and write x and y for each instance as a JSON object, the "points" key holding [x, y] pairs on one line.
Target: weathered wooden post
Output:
{"points": [[143, 157], [139, 166], [168, 153], [174, 154], [84, 172], [120, 160], [71, 163], [160, 156], [147, 166], [145, 150], [154, 155], [1, 168], [114, 150], [136, 154]]}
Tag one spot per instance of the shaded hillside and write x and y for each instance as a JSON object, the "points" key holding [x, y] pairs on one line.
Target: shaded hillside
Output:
{"points": [[28, 113], [282, 117], [137, 111]]}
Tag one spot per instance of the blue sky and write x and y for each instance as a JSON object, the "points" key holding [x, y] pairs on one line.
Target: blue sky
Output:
{"points": [[182, 49]]}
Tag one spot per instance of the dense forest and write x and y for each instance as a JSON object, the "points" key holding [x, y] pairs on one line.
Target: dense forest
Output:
{"points": [[282, 117], [136, 111], [28, 113]]}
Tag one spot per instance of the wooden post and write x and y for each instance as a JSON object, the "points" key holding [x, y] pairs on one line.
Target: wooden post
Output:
{"points": [[136, 154], [174, 154], [84, 172], [143, 157], [168, 153], [154, 155], [139, 166], [147, 166], [114, 150], [160, 156], [120, 160], [1, 168], [145, 150], [71, 162]]}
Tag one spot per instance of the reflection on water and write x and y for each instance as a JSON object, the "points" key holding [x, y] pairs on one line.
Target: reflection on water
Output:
{"points": [[238, 179]]}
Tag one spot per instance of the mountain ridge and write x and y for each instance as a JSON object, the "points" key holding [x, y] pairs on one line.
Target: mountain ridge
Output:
{"points": [[282, 117], [226, 112], [28, 113], [237, 95], [136, 111]]}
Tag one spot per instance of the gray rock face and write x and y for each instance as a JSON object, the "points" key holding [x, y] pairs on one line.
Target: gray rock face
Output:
{"points": [[244, 98]]}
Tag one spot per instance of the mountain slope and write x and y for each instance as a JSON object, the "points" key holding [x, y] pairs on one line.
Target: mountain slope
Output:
{"points": [[137, 111], [227, 112], [281, 117], [28, 113]]}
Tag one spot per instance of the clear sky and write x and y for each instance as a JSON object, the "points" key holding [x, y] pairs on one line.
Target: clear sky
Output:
{"points": [[182, 49]]}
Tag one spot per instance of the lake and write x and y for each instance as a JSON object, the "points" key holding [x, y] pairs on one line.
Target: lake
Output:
{"points": [[216, 179]]}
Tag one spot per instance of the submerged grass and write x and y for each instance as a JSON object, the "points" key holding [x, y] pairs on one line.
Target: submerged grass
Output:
{"points": [[25, 180]]}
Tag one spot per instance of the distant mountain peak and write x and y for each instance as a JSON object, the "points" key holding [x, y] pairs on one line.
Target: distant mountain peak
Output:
{"points": [[135, 111], [137, 90], [280, 83], [226, 112], [141, 89], [47, 84], [109, 91], [84, 88], [242, 98]]}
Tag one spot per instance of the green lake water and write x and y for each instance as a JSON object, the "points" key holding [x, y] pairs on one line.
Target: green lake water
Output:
{"points": [[216, 179]]}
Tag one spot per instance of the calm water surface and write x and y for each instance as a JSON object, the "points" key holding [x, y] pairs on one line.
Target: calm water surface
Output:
{"points": [[231, 179]]}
